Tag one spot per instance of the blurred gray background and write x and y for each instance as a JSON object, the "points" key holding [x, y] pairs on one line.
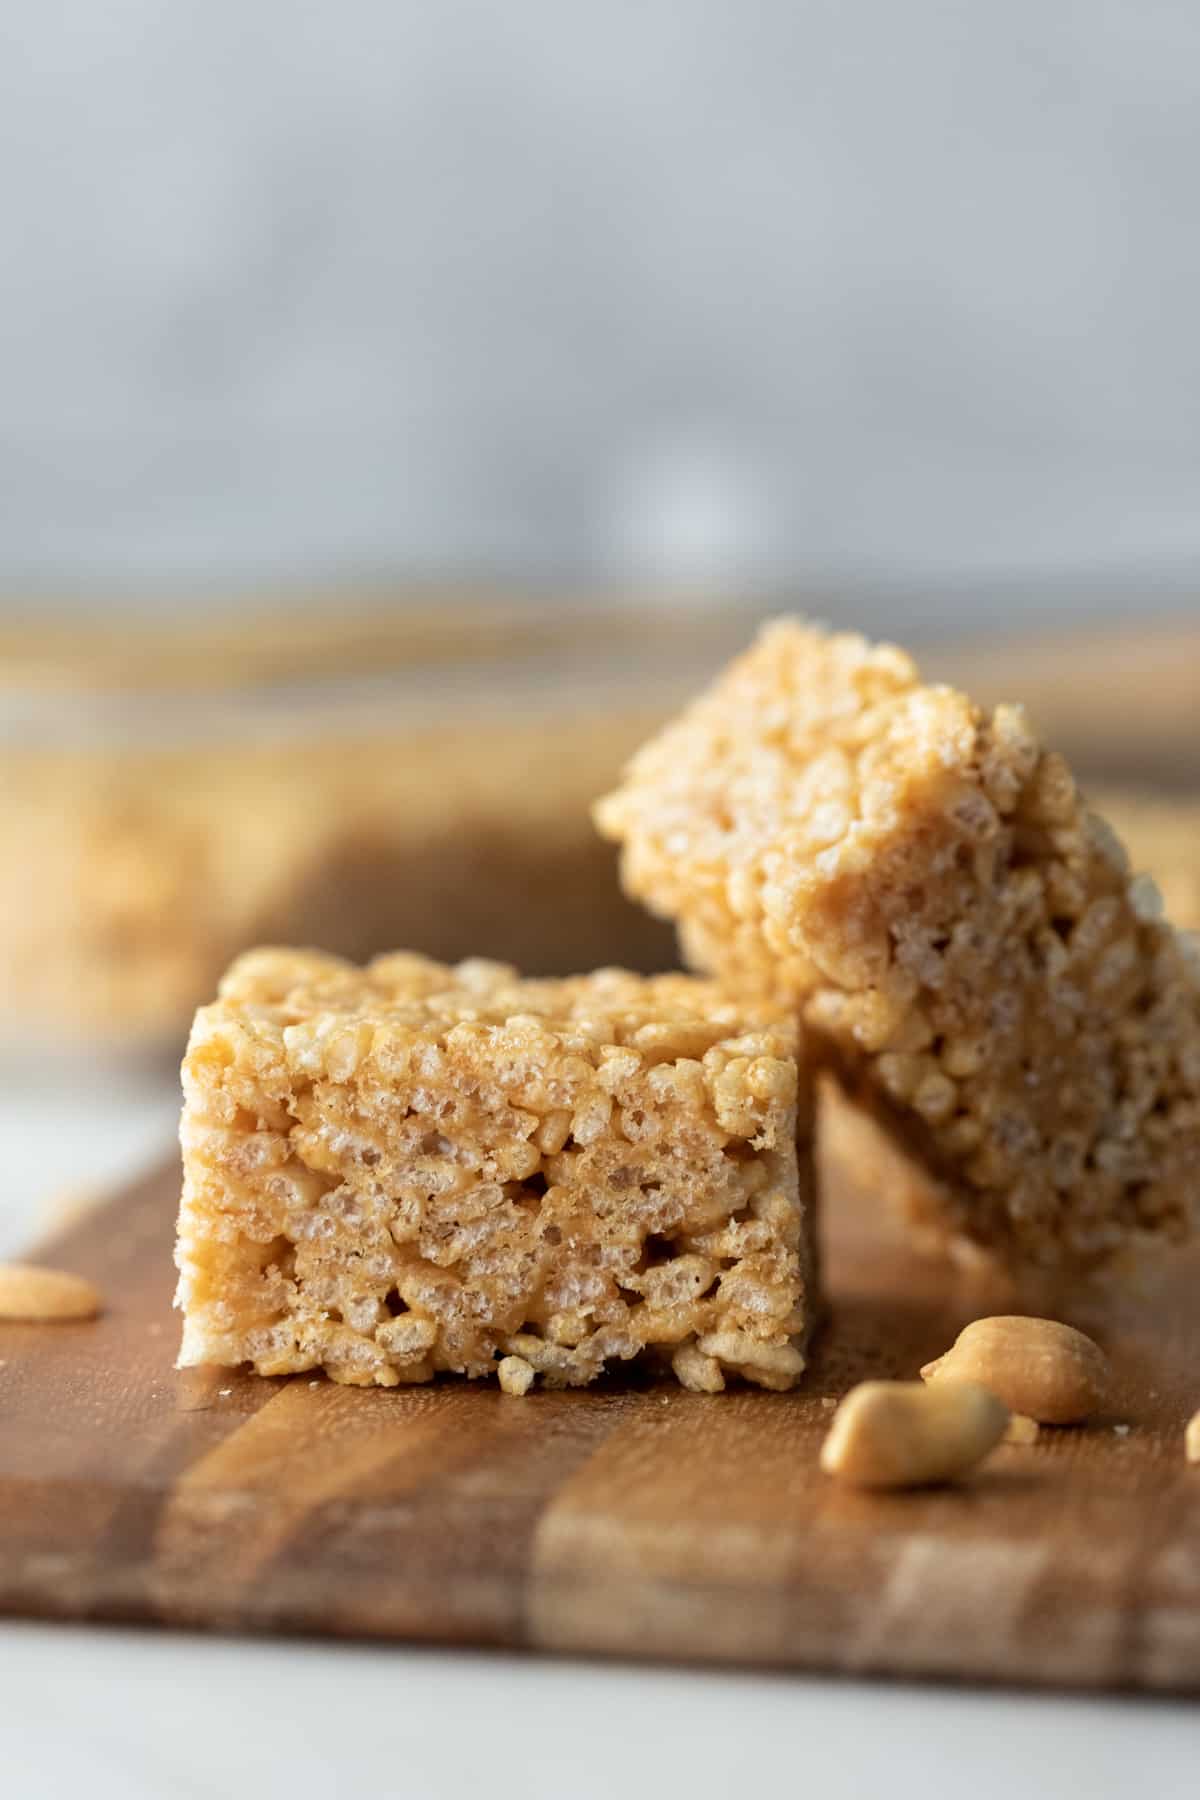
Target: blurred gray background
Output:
{"points": [[741, 292]]}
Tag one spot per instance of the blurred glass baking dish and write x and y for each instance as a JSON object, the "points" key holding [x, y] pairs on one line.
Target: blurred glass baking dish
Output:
{"points": [[361, 778], [354, 779]]}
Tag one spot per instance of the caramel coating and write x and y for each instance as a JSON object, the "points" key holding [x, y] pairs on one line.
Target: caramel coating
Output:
{"points": [[409, 1168], [963, 935]]}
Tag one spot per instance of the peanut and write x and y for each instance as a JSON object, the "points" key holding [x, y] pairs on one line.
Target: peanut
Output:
{"points": [[1038, 1367], [30, 1293], [897, 1434], [1191, 1439]]}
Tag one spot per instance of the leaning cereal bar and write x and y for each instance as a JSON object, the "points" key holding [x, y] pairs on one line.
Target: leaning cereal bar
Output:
{"points": [[962, 935], [409, 1168]]}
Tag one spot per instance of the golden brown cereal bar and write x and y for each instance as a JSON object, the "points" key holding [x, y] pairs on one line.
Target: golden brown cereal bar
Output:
{"points": [[961, 933], [409, 1168]]}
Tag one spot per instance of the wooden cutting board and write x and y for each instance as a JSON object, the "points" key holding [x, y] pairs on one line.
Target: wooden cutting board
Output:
{"points": [[640, 1521]]}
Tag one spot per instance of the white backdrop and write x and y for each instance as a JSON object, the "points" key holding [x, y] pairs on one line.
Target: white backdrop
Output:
{"points": [[757, 288]]}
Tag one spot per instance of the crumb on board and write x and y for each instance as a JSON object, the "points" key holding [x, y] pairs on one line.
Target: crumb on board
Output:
{"points": [[515, 1375]]}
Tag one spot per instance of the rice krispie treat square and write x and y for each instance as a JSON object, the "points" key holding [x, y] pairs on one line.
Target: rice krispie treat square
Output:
{"points": [[924, 879], [409, 1168]]}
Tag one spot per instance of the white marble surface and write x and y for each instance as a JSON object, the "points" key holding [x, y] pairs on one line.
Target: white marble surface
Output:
{"points": [[117, 1715]]}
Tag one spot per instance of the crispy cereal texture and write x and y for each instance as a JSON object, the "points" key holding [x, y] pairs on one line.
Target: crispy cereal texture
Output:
{"points": [[962, 934], [409, 1168]]}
